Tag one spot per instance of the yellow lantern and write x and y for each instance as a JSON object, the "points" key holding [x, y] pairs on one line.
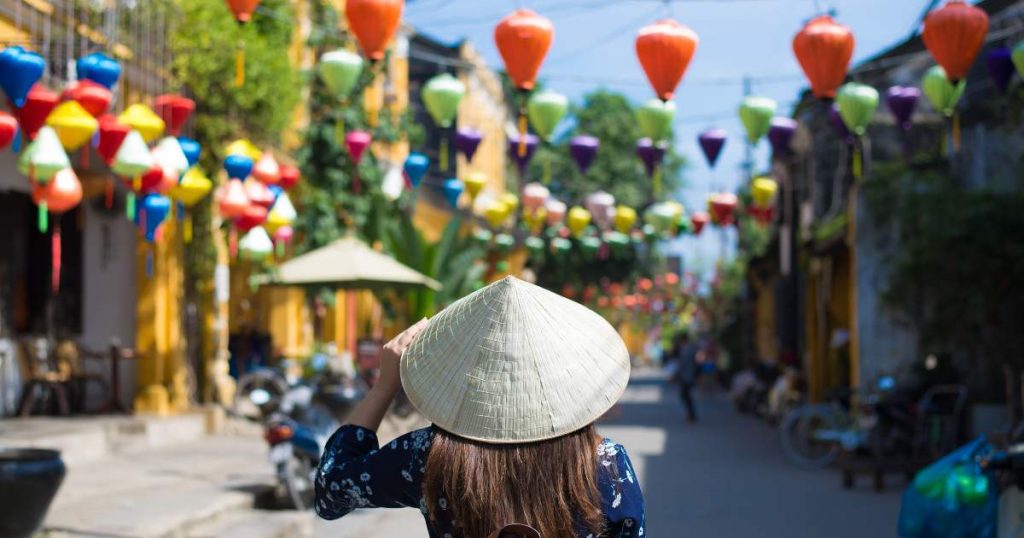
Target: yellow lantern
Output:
{"points": [[193, 187], [474, 183], [142, 118], [578, 219], [625, 218], [511, 200], [496, 213], [243, 146], [764, 190], [74, 126], [535, 219]]}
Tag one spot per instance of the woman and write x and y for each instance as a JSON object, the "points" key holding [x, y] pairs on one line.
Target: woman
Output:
{"points": [[512, 378]]}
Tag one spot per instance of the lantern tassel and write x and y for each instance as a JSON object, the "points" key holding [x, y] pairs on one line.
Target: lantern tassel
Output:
{"points": [[858, 163], [129, 205], [339, 131], [55, 246], [657, 181], [279, 248], [240, 65], [108, 198], [149, 260], [956, 132], [233, 243], [44, 217], [522, 133], [186, 230], [443, 158]]}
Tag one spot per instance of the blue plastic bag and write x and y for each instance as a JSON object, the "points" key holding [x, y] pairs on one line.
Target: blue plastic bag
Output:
{"points": [[951, 498]]}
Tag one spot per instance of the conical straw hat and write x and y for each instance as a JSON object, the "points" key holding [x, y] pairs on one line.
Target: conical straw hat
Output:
{"points": [[515, 363]]}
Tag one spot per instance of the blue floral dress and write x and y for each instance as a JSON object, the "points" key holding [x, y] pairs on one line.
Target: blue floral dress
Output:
{"points": [[356, 473]]}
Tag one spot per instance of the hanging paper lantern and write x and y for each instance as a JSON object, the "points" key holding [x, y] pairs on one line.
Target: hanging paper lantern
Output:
{"points": [[655, 119], [282, 237], [244, 147], [193, 187], [561, 246], [902, 100], [36, 107], [1018, 58], [625, 218], [99, 68], [374, 22], [496, 214], [711, 143], [523, 39], [253, 216], [474, 183], [535, 246], [762, 215], [857, 105], [93, 97], [8, 129], [191, 149], [168, 155], [290, 176], [258, 194], [723, 208], [954, 34], [356, 142], [590, 246], [416, 166], [174, 110], [340, 70], [467, 140], [665, 49], [764, 189], [535, 196], [133, 157], [44, 157], [578, 220], [243, 9], [510, 199], [153, 180], [682, 225], [943, 94], [650, 154], [999, 63], [698, 221], [781, 133], [522, 159], [256, 245], [238, 166], [281, 214], [441, 95], [601, 206], [546, 110], [142, 118], [555, 210], [662, 217], [534, 220], [20, 70], [824, 49], [452, 190], [583, 150], [835, 119], [504, 243], [756, 113], [266, 170], [233, 201], [111, 135], [61, 194], [154, 210]]}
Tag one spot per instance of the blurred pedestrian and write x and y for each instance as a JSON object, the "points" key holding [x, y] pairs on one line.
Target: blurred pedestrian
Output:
{"points": [[684, 353]]}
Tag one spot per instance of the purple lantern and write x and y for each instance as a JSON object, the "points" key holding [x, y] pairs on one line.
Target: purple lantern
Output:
{"points": [[583, 150], [1000, 67], [467, 140], [902, 100], [711, 143], [651, 154], [522, 161], [781, 134], [842, 131]]}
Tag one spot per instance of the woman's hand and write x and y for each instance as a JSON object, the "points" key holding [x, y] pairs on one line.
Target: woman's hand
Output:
{"points": [[391, 356]]}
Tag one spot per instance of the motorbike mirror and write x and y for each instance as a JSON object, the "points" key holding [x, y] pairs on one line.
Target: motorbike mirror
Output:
{"points": [[259, 396]]}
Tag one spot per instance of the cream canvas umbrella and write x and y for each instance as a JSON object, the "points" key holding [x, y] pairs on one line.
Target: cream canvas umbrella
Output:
{"points": [[515, 363], [347, 263]]}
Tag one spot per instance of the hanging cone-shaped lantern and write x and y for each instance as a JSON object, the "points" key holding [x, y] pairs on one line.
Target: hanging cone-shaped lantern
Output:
{"points": [[374, 22], [756, 113], [290, 176], [535, 196], [625, 218], [999, 63], [282, 238], [244, 147], [73, 125], [193, 188], [44, 157], [142, 118], [578, 219], [824, 49], [954, 34], [902, 101], [943, 94], [253, 216], [711, 143], [655, 119], [452, 190], [698, 221], [1018, 58], [266, 170], [546, 109], [281, 214], [191, 149], [415, 167], [151, 181], [169, 156], [37, 105], [94, 97], [238, 166], [132, 160], [58, 196], [764, 190], [555, 210], [442, 95], [583, 150], [496, 214], [651, 155], [523, 39], [20, 70], [857, 105], [174, 110], [781, 134], [723, 208], [258, 194], [601, 206], [357, 142], [242, 11], [467, 140], [522, 158], [111, 135], [8, 129], [662, 217], [99, 68], [474, 182], [665, 49], [340, 70], [233, 201]]}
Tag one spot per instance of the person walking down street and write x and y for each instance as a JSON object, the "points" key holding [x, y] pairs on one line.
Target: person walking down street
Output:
{"points": [[512, 378], [685, 351]]}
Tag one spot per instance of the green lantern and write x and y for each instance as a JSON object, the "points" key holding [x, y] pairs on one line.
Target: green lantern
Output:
{"points": [[589, 246], [650, 233], [340, 70], [482, 236], [618, 241], [857, 105], [683, 226], [535, 246], [545, 110], [756, 113], [504, 243], [1018, 58], [561, 246], [442, 95], [943, 94], [655, 118]]}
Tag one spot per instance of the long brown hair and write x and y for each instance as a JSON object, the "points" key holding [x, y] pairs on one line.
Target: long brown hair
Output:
{"points": [[549, 485]]}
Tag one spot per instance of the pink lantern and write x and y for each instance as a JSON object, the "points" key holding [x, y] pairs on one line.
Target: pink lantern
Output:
{"points": [[356, 142], [556, 211], [534, 196], [601, 205], [233, 201], [259, 194], [267, 170]]}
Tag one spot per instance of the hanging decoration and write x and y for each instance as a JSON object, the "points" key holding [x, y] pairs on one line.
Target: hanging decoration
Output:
{"points": [[44, 157], [756, 113], [625, 218], [655, 119], [132, 160], [73, 124], [698, 221], [522, 158], [583, 150], [474, 182], [824, 49], [546, 109], [191, 149], [662, 217], [340, 70], [857, 105], [233, 201], [290, 176], [238, 166], [37, 105], [142, 118], [244, 147], [242, 10], [153, 211], [764, 191], [174, 110], [723, 208], [256, 245], [259, 194], [467, 140], [651, 155], [578, 219], [20, 70], [282, 238], [8, 129], [902, 101], [781, 134], [452, 190], [496, 214], [415, 167], [111, 134], [63, 193], [170, 157], [999, 62], [374, 22], [523, 39], [356, 143], [711, 143], [253, 216], [601, 206], [535, 246], [955, 34], [665, 50], [266, 170], [99, 68], [193, 187], [555, 210], [441, 96], [281, 214], [94, 97], [944, 96], [535, 196]]}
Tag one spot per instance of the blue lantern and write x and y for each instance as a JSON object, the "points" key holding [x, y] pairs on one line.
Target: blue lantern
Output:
{"points": [[19, 71], [416, 167], [276, 190], [155, 207], [99, 68], [452, 190], [238, 166], [191, 149]]}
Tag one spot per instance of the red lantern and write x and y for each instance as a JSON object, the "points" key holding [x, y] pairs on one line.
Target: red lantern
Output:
{"points": [[152, 181], [8, 129], [243, 9], [289, 176], [267, 170], [954, 34], [698, 221], [112, 134], [259, 194], [665, 49], [94, 98], [723, 208], [253, 216], [523, 39], [233, 202], [824, 49], [374, 23], [174, 110], [762, 215], [39, 102]]}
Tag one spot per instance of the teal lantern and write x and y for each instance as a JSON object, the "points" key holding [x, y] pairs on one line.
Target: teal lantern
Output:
{"points": [[340, 70], [504, 243], [482, 236], [535, 246], [756, 113], [655, 118], [546, 109], [589, 246], [442, 95], [857, 105]]}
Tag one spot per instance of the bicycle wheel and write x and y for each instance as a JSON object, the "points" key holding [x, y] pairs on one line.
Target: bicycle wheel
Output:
{"points": [[807, 436]]}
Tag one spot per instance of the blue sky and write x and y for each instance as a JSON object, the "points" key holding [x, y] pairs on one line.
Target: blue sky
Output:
{"points": [[593, 47]]}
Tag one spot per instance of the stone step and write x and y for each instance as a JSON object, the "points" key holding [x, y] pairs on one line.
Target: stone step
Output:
{"points": [[257, 524]]}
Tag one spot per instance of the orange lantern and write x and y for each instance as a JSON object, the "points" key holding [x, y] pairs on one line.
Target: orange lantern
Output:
{"points": [[523, 39], [374, 22], [954, 34], [57, 196], [665, 49], [824, 49], [243, 9]]}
